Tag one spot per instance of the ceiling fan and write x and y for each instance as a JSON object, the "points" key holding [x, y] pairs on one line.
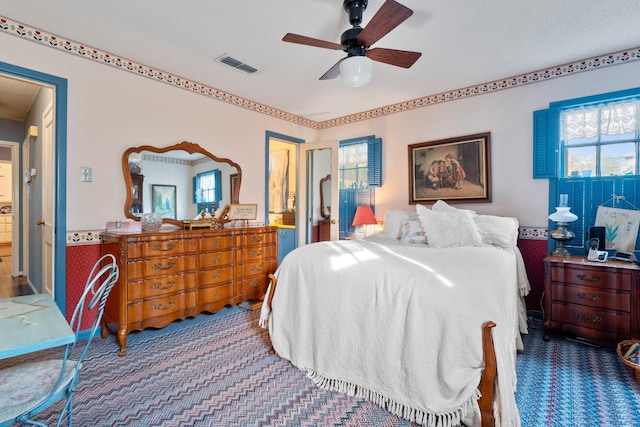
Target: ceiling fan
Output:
{"points": [[356, 67]]}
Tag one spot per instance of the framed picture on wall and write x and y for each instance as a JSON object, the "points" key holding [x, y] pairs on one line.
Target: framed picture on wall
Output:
{"points": [[457, 170], [163, 200]]}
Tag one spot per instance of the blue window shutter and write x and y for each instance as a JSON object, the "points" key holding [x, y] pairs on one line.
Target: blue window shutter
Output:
{"points": [[217, 178], [546, 143], [195, 189], [348, 207], [374, 162]]}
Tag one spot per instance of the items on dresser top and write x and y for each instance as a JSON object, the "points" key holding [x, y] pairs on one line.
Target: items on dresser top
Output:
{"points": [[596, 301], [165, 276]]}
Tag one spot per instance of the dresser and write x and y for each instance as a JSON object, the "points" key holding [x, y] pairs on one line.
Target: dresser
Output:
{"points": [[592, 300], [166, 276]]}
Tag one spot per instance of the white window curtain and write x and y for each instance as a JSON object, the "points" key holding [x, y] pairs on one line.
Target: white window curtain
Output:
{"points": [[616, 118], [279, 167]]}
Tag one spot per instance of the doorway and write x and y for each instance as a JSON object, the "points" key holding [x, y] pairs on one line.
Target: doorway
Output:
{"points": [[30, 235]]}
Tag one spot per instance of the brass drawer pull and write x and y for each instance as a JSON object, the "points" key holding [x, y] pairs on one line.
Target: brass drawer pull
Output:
{"points": [[169, 306], [216, 276], [257, 253], [160, 248], [253, 285], [258, 268], [584, 296], [216, 259], [584, 278], [158, 285], [593, 319], [256, 238], [159, 266], [217, 294]]}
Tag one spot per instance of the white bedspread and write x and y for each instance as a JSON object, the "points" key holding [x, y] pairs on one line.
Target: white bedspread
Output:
{"points": [[404, 328]]}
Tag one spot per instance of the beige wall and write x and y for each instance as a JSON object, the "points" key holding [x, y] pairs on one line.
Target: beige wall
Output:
{"points": [[110, 110]]}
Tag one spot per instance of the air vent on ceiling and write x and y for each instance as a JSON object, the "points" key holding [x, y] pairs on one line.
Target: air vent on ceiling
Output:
{"points": [[238, 65]]}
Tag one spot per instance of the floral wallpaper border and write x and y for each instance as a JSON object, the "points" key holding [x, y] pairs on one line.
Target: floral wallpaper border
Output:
{"points": [[27, 32]]}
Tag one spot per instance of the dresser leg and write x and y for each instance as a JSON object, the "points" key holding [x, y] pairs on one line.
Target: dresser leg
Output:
{"points": [[122, 340]]}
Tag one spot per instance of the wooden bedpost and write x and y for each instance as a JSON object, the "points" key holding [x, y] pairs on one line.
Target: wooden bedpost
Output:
{"points": [[272, 279], [488, 378]]}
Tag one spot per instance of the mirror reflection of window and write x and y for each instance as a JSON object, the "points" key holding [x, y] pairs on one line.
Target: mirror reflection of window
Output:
{"points": [[208, 190]]}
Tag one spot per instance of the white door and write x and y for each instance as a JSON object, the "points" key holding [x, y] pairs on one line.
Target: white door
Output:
{"points": [[48, 187], [315, 161]]}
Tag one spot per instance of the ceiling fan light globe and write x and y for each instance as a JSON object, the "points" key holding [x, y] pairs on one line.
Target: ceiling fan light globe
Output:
{"points": [[356, 71]]}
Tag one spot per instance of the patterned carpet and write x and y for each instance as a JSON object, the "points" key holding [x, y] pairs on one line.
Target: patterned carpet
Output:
{"points": [[214, 370]]}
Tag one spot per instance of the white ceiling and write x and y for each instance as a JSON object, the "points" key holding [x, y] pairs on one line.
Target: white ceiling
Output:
{"points": [[463, 43]]}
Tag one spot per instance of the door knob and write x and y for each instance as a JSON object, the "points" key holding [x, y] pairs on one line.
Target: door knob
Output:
{"points": [[333, 221], [39, 222]]}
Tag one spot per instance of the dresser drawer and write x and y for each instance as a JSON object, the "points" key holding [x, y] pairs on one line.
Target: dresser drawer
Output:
{"points": [[156, 267], [251, 287], [601, 278], [216, 259], [592, 297], [215, 243], [161, 286], [256, 253], [602, 320], [160, 248], [217, 296], [260, 267], [215, 276], [176, 306], [257, 238]]}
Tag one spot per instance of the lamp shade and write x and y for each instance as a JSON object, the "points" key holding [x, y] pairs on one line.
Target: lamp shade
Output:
{"points": [[563, 214], [364, 216], [356, 71]]}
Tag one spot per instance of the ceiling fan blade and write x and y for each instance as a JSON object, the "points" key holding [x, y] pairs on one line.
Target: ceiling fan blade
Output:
{"points": [[399, 58], [389, 16], [309, 41], [333, 72]]}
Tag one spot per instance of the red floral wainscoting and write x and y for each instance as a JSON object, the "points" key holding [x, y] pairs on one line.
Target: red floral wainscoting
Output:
{"points": [[532, 242], [80, 261]]}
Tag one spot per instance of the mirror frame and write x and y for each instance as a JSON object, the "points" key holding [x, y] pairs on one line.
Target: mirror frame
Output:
{"points": [[322, 197], [187, 146]]}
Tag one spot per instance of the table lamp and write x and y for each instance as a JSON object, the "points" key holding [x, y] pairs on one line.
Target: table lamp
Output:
{"points": [[562, 216], [364, 216]]}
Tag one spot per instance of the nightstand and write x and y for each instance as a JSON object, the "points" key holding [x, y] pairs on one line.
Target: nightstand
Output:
{"points": [[597, 301]]}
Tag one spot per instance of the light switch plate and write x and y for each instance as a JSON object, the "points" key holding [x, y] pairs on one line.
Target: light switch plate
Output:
{"points": [[85, 174]]}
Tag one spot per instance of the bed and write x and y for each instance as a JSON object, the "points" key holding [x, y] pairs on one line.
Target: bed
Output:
{"points": [[397, 318]]}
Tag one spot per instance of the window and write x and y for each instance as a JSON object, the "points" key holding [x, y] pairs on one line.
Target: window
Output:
{"points": [[360, 171], [601, 140], [207, 189]]}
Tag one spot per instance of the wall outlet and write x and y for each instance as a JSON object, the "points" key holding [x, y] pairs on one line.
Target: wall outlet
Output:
{"points": [[85, 174]]}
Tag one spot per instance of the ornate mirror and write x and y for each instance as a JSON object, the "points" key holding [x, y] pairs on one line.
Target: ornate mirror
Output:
{"points": [[177, 181], [325, 197]]}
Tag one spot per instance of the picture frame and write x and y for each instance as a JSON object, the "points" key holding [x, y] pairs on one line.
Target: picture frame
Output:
{"points": [[242, 212], [233, 185], [456, 170], [163, 200]]}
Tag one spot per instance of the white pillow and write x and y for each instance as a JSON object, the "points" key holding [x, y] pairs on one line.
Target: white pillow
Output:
{"points": [[498, 230], [411, 231], [447, 229], [443, 206], [393, 220]]}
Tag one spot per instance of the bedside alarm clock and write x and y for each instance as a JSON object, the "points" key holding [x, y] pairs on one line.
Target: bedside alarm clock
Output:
{"points": [[625, 256]]}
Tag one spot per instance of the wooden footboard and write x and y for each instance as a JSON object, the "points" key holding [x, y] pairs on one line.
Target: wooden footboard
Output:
{"points": [[487, 380]]}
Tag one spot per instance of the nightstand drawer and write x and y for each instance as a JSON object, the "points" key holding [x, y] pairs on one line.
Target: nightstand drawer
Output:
{"points": [[596, 277], [592, 297], [603, 320]]}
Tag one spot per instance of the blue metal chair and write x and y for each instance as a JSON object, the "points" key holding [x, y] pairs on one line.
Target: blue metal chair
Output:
{"points": [[30, 388]]}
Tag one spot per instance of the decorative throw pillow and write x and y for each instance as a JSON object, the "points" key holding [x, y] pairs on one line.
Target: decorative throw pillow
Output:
{"points": [[393, 220], [443, 206], [447, 229], [411, 231], [498, 230]]}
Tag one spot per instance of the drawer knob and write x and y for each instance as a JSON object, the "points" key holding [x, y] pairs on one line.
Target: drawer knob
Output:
{"points": [[158, 286], [584, 296], [584, 278], [160, 248], [169, 306], [592, 319], [159, 266]]}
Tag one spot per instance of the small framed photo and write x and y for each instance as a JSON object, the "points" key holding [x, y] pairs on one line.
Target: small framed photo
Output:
{"points": [[242, 211], [163, 200], [457, 170]]}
